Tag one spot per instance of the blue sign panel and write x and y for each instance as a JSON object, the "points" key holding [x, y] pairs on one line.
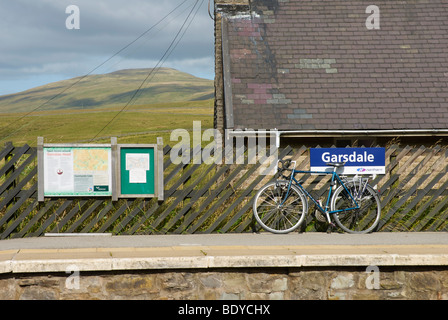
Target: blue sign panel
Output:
{"points": [[357, 160]]}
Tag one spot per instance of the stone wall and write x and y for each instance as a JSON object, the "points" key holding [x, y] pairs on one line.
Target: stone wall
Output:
{"points": [[385, 283], [219, 117]]}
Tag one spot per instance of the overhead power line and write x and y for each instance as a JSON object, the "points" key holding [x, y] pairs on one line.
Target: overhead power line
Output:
{"points": [[168, 51], [90, 72]]}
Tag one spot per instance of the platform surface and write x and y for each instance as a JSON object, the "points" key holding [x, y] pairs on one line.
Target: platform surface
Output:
{"points": [[58, 253]]}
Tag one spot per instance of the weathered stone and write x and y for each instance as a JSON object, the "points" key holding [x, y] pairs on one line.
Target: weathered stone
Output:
{"points": [[211, 281], [276, 296], [367, 295], [8, 289], [343, 282], [425, 281], [177, 281], [337, 295], [265, 283], [308, 285], [134, 284], [244, 284], [234, 282], [280, 284], [230, 296], [39, 293]]}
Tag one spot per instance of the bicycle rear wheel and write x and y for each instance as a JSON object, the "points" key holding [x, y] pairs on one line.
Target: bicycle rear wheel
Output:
{"points": [[277, 210], [362, 220]]}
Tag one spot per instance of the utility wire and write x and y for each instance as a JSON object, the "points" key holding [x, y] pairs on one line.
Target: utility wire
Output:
{"points": [[175, 45], [168, 51], [94, 69], [148, 39]]}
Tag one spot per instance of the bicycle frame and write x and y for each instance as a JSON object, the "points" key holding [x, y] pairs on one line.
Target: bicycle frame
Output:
{"points": [[334, 177]]}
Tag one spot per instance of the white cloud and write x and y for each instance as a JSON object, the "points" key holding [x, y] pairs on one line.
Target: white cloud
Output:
{"points": [[37, 44]]}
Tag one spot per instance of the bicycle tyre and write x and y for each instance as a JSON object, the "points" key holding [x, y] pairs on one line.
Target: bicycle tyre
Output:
{"points": [[362, 220], [271, 216]]}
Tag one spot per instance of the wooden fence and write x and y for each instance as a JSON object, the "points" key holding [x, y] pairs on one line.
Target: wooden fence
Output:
{"points": [[210, 198]]}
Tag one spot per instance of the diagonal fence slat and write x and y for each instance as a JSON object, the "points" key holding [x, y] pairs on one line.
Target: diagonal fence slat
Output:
{"points": [[246, 192], [52, 218], [196, 197], [407, 193], [424, 193], [28, 228], [225, 190], [121, 225], [77, 206], [110, 221], [84, 215], [16, 157], [206, 198], [399, 191]]}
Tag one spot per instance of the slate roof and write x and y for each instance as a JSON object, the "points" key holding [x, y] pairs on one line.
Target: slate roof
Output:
{"points": [[313, 64]]}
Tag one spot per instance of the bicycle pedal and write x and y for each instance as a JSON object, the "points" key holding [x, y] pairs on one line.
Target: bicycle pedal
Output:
{"points": [[330, 228], [318, 214]]}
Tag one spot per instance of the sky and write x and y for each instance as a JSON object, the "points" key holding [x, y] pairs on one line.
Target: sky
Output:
{"points": [[43, 41]]}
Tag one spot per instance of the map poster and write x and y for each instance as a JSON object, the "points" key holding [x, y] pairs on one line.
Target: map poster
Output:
{"points": [[77, 171]]}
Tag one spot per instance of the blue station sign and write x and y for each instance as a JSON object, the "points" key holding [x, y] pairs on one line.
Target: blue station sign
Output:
{"points": [[357, 160]]}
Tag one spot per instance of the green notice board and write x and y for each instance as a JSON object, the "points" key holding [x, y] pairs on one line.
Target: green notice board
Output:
{"points": [[137, 171]]}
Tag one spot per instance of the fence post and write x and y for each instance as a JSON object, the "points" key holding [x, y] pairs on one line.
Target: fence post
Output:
{"points": [[10, 172], [115, 168], [159, 175], [40, 169]]}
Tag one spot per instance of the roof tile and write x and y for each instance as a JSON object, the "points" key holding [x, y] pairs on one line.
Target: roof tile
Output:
{"points": [[313, 64]]}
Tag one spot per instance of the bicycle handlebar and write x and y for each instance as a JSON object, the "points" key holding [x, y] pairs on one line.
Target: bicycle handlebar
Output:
{"points": [[283, 165]]}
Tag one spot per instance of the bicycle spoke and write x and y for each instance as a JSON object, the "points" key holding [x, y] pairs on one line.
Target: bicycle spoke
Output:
{"points": [[361, 220], [279, 208]]}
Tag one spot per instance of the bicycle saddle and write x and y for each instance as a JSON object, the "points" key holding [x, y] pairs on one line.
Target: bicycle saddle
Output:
{"points": [[335, 164]]}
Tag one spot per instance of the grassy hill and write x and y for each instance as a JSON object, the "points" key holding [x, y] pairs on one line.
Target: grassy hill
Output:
{"points": [[171, 100], [110, 90]]}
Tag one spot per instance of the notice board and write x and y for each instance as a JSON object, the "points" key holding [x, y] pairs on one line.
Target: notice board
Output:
{"points": [[100, 170], [73, 171], [137, 167]]}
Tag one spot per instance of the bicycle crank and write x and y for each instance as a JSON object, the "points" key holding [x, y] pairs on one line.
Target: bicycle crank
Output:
{"points": [[320, 216]]}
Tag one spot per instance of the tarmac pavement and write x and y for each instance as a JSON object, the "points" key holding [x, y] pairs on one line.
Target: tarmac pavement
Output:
{"points": [[103, 252], [89, 240]]}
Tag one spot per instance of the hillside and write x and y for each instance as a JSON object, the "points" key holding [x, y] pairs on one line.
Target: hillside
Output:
{"points": [[111, 90]]}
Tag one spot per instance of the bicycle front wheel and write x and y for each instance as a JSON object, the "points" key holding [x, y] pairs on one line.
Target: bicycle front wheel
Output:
{"points": [[362, 220], [277, 210]]}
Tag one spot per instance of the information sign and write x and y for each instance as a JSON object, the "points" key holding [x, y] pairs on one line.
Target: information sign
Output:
{"points": [[357, 160], [77, 171]]}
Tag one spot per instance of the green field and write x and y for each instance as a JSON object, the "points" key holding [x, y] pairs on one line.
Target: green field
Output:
{"points": [[98, 107], [139, 124], [111, 90]]}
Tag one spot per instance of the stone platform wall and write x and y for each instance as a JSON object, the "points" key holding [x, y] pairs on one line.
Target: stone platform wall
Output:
{"points": [[243, 284]]}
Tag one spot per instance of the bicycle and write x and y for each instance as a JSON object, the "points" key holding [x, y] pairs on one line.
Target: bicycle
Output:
{"points": [[352, 204]]}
